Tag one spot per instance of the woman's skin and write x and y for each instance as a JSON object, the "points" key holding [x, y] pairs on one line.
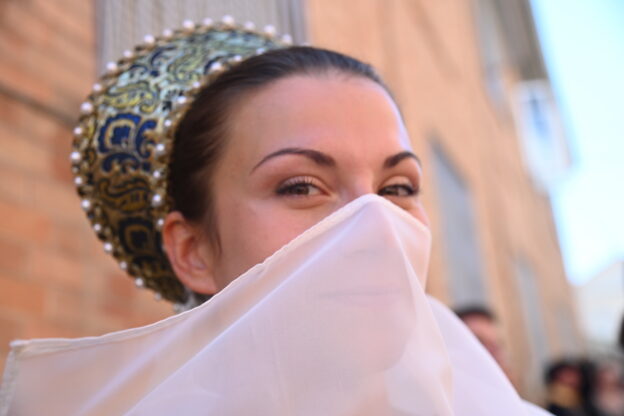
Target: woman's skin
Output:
{"points": [[297, 150]]}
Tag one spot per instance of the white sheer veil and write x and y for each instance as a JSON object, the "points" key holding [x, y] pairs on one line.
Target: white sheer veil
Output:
{"points": [[337, 322]]}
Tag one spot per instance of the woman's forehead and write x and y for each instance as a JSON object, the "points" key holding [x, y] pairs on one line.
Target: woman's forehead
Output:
{"points": [[331, 112]]}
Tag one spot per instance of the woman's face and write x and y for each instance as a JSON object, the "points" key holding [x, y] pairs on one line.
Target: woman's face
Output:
{"points": [[298, 150]]}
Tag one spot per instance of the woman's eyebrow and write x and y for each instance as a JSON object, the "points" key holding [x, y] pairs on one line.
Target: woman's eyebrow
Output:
{"points": [[319, 158], [394, 160]]}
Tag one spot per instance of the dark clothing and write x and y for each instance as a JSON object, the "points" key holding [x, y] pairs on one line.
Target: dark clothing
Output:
{"points": [[565, 411]]}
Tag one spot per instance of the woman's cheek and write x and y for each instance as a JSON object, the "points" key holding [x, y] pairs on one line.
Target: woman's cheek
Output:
{"points": [[421, 214]]}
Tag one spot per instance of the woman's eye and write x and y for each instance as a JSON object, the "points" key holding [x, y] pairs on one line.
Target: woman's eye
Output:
{"points": [[298, 187], [398, 190]]}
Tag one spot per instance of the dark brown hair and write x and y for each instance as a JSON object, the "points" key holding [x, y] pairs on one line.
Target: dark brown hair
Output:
{"points": [[202, 133]]}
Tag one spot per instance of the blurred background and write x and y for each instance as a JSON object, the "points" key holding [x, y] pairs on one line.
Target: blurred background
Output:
{"points": [[515, 107]]}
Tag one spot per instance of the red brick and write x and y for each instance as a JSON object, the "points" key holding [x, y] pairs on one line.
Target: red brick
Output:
{"points": [[23, 224], [61, 169], [44, 37], [121, 286], [19, 296], [47, 329], [18, 151], [29, 84], [61, 143], [12, 257], [45, 66], [64, 307], [149, 310], [58, 200], [25, 121], [11, 111], [14, 185], [107, 318], [83, 10], [54, 269], [114, 309], [58, 88], [69, 240]]}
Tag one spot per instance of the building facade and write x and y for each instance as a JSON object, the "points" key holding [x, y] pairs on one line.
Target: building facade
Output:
{"points": [[460, 71]]}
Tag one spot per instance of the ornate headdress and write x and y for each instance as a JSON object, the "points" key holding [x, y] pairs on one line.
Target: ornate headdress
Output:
{"points": [[126, 130]]}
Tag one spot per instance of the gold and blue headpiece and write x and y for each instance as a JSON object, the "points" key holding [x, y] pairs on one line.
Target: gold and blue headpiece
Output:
{"points": [[126, 129]]}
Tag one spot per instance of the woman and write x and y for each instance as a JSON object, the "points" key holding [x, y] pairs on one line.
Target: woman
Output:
{"points": [[282, 181]]}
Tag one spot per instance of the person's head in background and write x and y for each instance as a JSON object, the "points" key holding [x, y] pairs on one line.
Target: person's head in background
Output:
{"points": [[483, 324], [563, 379], [608, 394]]}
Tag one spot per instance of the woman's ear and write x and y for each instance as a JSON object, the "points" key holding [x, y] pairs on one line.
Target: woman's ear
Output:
{"points": [[190, 255]]}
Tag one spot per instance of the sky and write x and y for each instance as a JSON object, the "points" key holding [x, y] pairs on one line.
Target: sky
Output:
{"points": [[583, 45]]}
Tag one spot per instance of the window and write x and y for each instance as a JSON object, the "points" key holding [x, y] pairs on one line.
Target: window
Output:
{"points": [[459, 234], [492, 50], [541, 133]]}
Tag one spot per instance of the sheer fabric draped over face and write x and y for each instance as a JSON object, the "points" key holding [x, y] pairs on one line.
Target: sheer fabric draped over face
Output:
{"points": [[335, 323]]}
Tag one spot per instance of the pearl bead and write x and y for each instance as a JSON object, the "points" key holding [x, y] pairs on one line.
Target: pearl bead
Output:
{"points": [[108, 247], [97, 88], [227, 20], [111, 67], [287, 39], [160, 149], [167, 33], [237, 58], [196, 84], [78, 131], [139, 282], [157, 174], [149, 40], [216, 66], [157, 200], [86, 108], [123, 265], [97, 227], [160, 222], [85, 204], [168, 123], [78, 180], [249, 25], [181, 100], [269, 30], [188, 25], [157, 296], [207, 21], [75, 156], [128, 54]]}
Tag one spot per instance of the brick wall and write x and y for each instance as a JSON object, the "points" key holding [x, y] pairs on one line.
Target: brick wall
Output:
{"points": [[55, 280]]}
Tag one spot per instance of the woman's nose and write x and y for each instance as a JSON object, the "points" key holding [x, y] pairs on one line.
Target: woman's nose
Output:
{"points": [[357, 190]]}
